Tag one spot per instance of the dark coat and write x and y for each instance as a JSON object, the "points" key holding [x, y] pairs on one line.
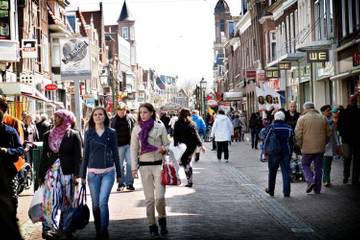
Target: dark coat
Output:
{"points": [[185, 132], [69, 154]]}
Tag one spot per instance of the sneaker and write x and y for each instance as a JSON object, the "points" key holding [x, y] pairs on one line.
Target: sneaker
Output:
{"points": [[227, 160], [130, 188], [327, 184], [219, 159], [189, 185], [310, 187], [286, 194], [121, 187], [268, 192]]}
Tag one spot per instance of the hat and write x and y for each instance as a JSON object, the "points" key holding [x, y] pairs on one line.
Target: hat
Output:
{"points": [[334, 109], [279, 115], [121, 106]]}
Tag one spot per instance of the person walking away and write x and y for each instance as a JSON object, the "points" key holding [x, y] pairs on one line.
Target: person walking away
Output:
{"points": [[312, 133], [149, 143], [349, 129], [172, 122], [10, 150], [237, 128], [43, 126], [200, 127], [123, 125], [101, 160], [185, 132], [58, 171], [284, 134], [222, 131], [243, 127], [331, 146], [255, 125], [165, 119]]}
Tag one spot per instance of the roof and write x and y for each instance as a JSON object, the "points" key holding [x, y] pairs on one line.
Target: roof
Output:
{"points": [[221, 7], [125, 14]]}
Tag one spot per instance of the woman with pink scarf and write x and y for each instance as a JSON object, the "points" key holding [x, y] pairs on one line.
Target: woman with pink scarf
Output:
{"points": [[58, 170]]}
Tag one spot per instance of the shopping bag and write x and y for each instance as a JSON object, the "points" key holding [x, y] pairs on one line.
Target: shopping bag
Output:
{"points": [[36, 212], [177, 151], [79, 215], [169, 175]]}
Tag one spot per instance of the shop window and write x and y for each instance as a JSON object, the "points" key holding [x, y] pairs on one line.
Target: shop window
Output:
{"points": [[4, 19]]}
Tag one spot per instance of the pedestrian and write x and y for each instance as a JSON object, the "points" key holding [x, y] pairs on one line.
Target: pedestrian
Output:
{"points": [[200, 127], [292, 115], [10, 120], [222, 131], [31, 135], [58, 171], [123, 125], [10, 150], [43, 126], [255, 125], [349, 129], [149, 141], [185, 132], [237, 128], [331, 146], [312, 134], [284, 135], [172, 122], [101, 160], [165, 119]]}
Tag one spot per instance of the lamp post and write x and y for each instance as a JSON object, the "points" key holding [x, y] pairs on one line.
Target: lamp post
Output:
{"points": [[203, 85]]}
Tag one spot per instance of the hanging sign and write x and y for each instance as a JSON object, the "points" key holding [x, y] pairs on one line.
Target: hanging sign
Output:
{"points": [[51, 87], [29, 48], [318, 56], [285, 66]]}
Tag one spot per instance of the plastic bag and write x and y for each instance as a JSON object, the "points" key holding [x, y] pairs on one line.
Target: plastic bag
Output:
{"points": [[36, 212]]}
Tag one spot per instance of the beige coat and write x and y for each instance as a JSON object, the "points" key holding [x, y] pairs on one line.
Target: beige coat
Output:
{"points": [[157, 136], [312, 132]]}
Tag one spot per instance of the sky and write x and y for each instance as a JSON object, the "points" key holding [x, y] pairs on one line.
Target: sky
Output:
{"points": [[174, 37]]}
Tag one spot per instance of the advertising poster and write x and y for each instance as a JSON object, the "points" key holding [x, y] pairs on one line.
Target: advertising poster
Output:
{"points": [[29, 48], [267, 99], [75, 59]]}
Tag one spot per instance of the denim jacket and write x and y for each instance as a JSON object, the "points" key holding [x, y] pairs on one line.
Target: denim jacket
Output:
{"points": [[100, 152]]}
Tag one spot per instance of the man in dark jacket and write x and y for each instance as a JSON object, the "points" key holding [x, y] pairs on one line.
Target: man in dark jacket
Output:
{"points": [[10, 150], [292, 115], [43, 126], [349, 129], [285, 136], [123, 125]]}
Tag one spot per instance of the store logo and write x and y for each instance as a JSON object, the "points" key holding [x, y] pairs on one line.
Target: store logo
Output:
{"points": [[318, 56]]}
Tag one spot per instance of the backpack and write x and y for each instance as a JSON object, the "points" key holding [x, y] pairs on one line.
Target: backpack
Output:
{"points": [[272, 143]]}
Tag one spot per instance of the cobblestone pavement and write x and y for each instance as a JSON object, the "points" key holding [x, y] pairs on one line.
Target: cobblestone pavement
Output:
{"points": [[228, 201]]}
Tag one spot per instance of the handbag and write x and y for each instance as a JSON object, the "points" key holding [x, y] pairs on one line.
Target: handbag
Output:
{"points": [[36, 212], [78, 216], [169, 175]]}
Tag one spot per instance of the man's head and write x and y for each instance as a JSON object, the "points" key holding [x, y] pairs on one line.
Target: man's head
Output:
{"points": [[326, 110], [195, 112], [308, 105], [279, 115], [121, 110], [292, 106], [3, 105]]}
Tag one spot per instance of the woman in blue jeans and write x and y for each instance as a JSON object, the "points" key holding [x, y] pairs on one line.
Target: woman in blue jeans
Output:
{"points": [[101, 160]]}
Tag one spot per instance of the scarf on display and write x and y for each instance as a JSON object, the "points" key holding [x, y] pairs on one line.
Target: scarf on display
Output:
{"points": [[146, 126], [57, 132]]}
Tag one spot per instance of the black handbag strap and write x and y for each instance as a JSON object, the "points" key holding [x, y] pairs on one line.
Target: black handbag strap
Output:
{"points": [[82, 195]]}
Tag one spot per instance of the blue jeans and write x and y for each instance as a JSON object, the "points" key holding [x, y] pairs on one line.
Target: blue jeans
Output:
{"points": [[273, 164], [100, 186], [124, 155]]}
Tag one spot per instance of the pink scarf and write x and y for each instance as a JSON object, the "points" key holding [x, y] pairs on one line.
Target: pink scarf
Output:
{"points": [[57, 133]]}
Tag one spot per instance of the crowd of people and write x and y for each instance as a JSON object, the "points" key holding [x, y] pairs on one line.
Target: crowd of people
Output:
{"points": [[118, 148]]}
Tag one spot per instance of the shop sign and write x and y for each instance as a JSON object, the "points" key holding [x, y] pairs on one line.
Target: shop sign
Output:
{"points": [[318, 56], [51, 87], [285, 66], [272, 73], [356, 59], [250, 74]]}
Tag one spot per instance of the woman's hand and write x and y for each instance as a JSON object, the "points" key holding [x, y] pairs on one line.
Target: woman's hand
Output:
{"points": [[162, 150], [135, 173]]}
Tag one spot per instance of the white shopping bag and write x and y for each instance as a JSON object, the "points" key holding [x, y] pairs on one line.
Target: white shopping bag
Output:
{"points": [[177, 151], [36, 213]]}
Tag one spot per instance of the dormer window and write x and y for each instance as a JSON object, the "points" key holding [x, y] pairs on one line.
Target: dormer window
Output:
{"points": [[4, 19], [125, 33]]}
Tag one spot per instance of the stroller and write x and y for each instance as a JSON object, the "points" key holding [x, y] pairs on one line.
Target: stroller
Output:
{"points": [[297, 173]]}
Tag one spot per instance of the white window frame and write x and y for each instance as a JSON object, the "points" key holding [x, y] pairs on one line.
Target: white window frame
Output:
{"points": [[125, 32]]}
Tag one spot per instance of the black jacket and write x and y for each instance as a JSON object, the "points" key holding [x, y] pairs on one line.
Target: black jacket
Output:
{"points": [[69, 154]]}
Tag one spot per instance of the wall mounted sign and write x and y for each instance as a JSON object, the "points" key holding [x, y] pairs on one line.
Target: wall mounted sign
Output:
{"points": [[285, 66], [318, 56]]}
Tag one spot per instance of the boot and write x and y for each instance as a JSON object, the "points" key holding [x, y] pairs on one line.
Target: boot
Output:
{"points": [[154, 231], [197, 157], [162, 224]]}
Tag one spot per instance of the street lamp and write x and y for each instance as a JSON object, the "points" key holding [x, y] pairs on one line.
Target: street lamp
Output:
{"points": [[203, 85]]}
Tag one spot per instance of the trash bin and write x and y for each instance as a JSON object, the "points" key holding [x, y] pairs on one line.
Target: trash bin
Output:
{"points": [[36, 158]]}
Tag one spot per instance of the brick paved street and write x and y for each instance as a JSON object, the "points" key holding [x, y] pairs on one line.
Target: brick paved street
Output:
{"points": [[228, 201]]}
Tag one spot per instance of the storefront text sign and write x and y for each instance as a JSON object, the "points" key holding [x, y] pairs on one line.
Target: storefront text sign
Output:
{"points": [[318, 56], [285, 66]]}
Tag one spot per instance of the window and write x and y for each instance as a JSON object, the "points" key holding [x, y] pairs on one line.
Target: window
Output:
{"points": [[350, 16], [4, 19], [125, 33], [273, 45], [222, 25]]}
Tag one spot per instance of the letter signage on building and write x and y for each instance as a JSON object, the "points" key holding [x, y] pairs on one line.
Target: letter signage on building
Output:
{"points": [[285, 66], [318, 56], [75, 59], [29, 48]]}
